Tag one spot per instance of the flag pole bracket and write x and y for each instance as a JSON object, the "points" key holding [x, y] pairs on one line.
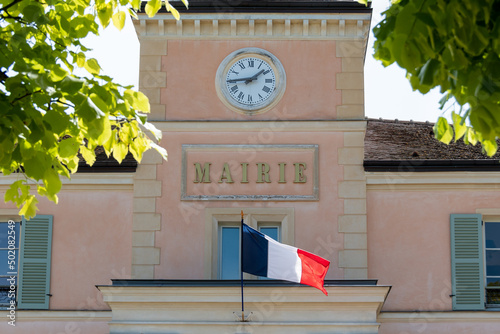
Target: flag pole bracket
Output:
{"points": [[240, 316]]}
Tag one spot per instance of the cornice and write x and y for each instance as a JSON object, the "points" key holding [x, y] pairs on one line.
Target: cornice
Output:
{"points": [[259, 26], [83, 181], [259, 126], [436, 317], [433, 181]]}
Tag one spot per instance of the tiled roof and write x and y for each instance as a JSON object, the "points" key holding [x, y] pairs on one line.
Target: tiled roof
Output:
{"points": [[225, 6], [389, 142]]}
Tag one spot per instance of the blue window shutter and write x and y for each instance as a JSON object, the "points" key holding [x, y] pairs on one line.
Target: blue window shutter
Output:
{"points": [[34, 263], [467, 273]]}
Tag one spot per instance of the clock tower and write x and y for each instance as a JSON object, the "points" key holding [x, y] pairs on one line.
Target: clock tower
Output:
{"points": [[261, 106]]}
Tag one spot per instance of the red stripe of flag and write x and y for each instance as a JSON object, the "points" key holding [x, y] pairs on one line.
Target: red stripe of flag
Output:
{"points": [[314, 269]]}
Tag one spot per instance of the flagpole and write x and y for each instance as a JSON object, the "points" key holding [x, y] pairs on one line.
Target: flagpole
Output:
{"points": [[241, 271]]}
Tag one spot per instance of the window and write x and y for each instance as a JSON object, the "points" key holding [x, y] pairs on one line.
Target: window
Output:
{"points": [[33, 245], [222, 236], [229, 250], [9, 260], [492, 262]]}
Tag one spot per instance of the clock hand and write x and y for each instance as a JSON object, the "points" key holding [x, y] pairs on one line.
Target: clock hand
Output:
{"points": [[238, 79], [248, 79], [254, 77]]}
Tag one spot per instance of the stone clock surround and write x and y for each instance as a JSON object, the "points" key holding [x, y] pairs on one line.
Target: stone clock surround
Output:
{"points": [[350, 33]]}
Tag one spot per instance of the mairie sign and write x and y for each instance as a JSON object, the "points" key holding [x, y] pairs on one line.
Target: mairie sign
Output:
{"points": [[249, 172], [202, 173]]}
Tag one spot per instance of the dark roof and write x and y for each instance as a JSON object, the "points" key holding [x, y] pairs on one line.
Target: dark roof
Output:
{"points": [[103, 164], [405, 145], [269, 6]]}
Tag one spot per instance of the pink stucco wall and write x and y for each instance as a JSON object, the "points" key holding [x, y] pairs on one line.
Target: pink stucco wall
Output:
{"points": [[409, 243], [191, 66], [91, 243], [182, 234]]}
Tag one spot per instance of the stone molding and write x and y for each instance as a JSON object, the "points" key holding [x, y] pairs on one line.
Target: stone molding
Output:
{"points": [[23, 316], [255, 26], [422, 317], [261, 126], [271, 309]]}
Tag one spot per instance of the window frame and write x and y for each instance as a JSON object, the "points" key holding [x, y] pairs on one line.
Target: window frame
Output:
{"points": [[283, 218], [5, 216], [488, 219], [18, 222]]}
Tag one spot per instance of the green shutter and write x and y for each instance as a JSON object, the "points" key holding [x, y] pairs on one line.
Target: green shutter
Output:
{"points": [[467, 273], [34, 263]]}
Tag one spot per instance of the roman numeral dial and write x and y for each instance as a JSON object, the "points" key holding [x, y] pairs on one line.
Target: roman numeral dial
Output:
{"points": [[250, 81]]}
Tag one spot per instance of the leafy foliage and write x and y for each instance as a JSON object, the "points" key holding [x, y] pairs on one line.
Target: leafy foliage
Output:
{"points": [[47, 113], [454, 45]]}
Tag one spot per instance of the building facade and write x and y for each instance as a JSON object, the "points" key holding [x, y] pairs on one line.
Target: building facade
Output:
{"points": [[261, 105]]}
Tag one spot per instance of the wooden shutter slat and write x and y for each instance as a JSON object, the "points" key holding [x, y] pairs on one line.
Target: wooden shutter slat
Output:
{"points": [[34, 263], [467, 269]]}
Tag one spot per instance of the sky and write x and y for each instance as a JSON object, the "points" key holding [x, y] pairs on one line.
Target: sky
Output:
{"points": [[388, 93]]}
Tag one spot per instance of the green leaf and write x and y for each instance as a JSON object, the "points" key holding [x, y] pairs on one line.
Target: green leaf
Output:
{"points": [[80, 59], [72, 164], [132, 13], [34, 167], [32, 12], [119, 19], [152, 7], [490, 146], [459, 126], [53, 184], [171, 9], [156, 133], [426, 18], [12, 194], [104, 12], [88, 155], [428, 72], [57, 73], [120, 150], [470, 137], [137, 100], [161, 150], [92, 66], [136, 4], [29, 208], [100, 104], [443, 131], [68, 147]]}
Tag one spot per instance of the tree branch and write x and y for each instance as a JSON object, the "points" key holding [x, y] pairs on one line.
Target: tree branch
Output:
{"points": [[25, 95], [3, 9]]}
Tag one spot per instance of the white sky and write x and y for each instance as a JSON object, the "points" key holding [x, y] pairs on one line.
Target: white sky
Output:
{"points": [[388, 93]]}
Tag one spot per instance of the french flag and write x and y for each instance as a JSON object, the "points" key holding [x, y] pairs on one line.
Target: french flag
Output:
{"points": [[264, 256]]}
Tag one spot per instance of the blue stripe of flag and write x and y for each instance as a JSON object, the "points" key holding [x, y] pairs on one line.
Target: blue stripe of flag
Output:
{"points": [[255, 252]]}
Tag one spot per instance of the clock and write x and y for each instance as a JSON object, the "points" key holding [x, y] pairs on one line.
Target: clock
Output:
{"points": [[250, 81]]}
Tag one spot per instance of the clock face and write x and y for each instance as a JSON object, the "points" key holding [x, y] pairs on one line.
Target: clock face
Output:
{"points": [[250, 81]]}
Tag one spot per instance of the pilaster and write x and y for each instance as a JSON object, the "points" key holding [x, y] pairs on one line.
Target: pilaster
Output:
{"points": [[145, 219], [352, 189]]}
